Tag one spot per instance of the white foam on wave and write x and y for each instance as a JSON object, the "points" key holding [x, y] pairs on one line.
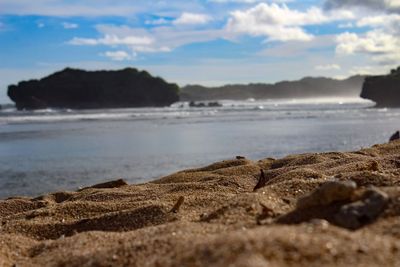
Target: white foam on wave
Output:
{"points": [[291, 101], [178, 110], [55, 118], [68, 116]]}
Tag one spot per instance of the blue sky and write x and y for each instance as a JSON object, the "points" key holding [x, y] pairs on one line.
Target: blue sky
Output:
{"points": [[209, 42]]}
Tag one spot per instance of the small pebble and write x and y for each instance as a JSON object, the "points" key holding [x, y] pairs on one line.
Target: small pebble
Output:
{"points": [[321, 223], [253, 259], [203, 215]]}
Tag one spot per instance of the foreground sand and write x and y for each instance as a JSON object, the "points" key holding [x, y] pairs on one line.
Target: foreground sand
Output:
{"points": [[221, 222]]}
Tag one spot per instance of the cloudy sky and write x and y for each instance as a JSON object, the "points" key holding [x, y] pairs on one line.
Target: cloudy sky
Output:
{"points": [[208, 42]]}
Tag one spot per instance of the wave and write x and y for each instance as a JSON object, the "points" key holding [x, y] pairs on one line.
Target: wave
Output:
{"points": [[182, 110]]}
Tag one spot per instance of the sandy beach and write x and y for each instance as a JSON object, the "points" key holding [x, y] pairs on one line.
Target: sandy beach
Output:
{"points": [[325, 209]]}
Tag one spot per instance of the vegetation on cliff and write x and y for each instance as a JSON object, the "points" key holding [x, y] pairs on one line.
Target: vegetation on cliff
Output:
{"points": [[304, 88], [384, 90], [79, 89]]}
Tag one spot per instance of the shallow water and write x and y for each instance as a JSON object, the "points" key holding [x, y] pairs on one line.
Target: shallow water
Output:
{"points": [[52, 150]]}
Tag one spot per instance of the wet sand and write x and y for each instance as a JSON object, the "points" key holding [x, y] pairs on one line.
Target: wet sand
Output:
{"points": [[214, 216]]}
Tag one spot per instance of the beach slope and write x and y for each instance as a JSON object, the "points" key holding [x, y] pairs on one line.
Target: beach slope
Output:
{"points": [[325, 209]]}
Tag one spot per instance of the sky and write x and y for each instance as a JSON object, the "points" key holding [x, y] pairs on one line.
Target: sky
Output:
{"points": [[208, 42]]}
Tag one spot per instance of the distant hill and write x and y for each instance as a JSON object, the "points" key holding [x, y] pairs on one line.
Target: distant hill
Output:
{"points": [[304, 88], [384, 90], [79, 89]]}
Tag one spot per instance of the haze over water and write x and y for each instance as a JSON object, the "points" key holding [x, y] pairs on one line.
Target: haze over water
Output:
{"points": [[50, 150]]}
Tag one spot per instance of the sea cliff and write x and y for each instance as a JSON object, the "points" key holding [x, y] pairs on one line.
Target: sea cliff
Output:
{"points": [[79, 89], [307, 87], [384, 90]]}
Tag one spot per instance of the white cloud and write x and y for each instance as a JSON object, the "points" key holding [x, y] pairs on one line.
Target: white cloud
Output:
{"points": [[113, 40], [249, 1], [376, 45], [369, 70], [293, 49], [154, 40], [279, 23], [119, 55], [346, 25], [381, 46], [172, 38], [192, 19], [68, 25], [384, 20], [281, 15], [381, 43], [374, 42], [386, 5], [92, 8], [159, 21], [393, 3], [149, 49], [328, 67], [63, 8], [267, 20]]}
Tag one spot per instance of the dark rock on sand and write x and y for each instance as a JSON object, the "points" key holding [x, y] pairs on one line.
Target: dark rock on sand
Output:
{"points": [[110, 184], [328, 193], [359, 213], [395, 136]]}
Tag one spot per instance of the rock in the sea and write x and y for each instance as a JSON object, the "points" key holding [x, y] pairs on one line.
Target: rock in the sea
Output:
{"points": [[328, 193], [395, 136], [383, 90], [193, 104], [354, 215], [78, 89]]}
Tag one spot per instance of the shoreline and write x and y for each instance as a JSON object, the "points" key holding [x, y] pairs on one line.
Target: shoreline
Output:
{"points": [[224, 214]]}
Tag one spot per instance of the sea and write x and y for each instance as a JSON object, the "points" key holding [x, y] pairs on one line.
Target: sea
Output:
{"points": [[55, 150]]}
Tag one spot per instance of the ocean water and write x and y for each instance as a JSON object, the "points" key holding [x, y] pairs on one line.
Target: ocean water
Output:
{"points": [[53, 150]]}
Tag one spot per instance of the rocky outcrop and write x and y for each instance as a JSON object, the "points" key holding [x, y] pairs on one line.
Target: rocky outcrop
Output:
{"points": [[79, 89], [305, 88], [384, 90]]}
